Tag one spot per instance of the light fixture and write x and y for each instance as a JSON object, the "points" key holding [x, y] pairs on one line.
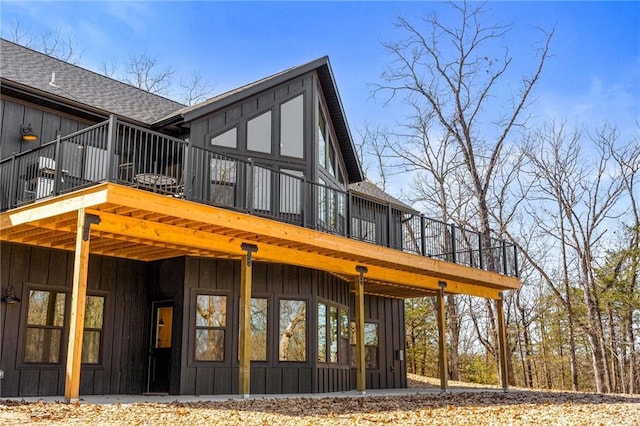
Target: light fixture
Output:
{"points": [[27, 133], [9, 297]]}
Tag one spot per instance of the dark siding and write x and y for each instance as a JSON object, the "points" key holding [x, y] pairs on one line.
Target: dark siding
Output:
{"points": [[45, 123], [389, 315], [123, 344], [167, 283]]}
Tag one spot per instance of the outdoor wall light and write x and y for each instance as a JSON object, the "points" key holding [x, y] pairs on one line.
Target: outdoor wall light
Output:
{"points": [[9, 297], [27, 133]]}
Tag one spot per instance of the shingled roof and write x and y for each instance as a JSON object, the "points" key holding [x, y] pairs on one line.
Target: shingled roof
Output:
{"points": [[371, 191], [28, 68]]}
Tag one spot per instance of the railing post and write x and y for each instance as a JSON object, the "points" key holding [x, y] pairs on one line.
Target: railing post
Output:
{"points": [[186, 171], [423, 237], [516, 273], [480, 256], [13, 181], [349, 211], [250, 172], [504, 257], [57, 160], [111, 132], [304, 201], [453, 244], [389, 225]]}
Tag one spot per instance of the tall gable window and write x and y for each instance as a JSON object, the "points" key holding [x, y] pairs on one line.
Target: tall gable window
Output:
{"points": [[227, 139], [322, 139], [259, 133], [292, 127]]}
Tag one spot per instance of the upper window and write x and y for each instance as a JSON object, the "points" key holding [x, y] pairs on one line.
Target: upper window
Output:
{"points": [[259, 133], [293, 330], [45, 322], [322, 139], [211, 322], [292, 127], [227, 139]]}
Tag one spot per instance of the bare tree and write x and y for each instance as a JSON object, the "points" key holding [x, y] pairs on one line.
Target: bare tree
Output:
{"points": [[195, 88], [53, 43], [585, 195], [450, 76], [145, 72]]}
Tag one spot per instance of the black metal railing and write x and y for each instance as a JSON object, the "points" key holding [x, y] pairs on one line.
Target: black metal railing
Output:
{"points": [[133, 156]]}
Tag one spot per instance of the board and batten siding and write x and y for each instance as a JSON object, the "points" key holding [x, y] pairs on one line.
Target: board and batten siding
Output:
{"points": [[124, 336], [47, 124], [388, 313]]}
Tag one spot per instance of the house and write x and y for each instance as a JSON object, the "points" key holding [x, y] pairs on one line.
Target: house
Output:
{"points": [[230, 247]]}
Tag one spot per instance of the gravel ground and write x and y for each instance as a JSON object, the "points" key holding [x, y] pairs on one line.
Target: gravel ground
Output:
{"points": [[475, 407]]}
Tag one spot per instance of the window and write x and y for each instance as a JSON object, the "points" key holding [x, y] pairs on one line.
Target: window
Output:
{"points": [[331, 160], [93, 323], [223, 180], [45, 322], [322, 140], [370, 345], [343, 351], [293, 330], [322, 332], [211, 321], [333, 334], [259, 133], [259, 329], [290, 189], [292, 127], [261, 189], [227, 139]]}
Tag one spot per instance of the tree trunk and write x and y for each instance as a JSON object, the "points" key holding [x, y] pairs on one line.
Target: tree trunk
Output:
{"points": [[454, 337]]}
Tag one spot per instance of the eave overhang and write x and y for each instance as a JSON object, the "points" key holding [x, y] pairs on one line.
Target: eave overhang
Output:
{"points": [[145, 226]]}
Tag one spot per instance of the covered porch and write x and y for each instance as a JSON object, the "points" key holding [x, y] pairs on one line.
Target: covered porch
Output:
{"points": [[114, 220]]}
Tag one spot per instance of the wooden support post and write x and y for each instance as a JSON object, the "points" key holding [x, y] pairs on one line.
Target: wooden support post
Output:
{"points": [[502, 336], [244, 342], [442, 338], [78, 301], [360, 359]]}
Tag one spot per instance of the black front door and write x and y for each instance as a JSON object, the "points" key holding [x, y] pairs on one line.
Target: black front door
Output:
{"points": [[159, 370]]}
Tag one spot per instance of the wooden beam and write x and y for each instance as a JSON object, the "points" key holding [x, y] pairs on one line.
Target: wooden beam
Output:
{"points": [[502, 336], [234, 220], [361, 379], [78, 302], [442, 338], [244, 342], [55, 206]]}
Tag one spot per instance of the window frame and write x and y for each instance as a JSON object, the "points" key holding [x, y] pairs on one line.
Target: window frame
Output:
{"points": [[307, 303], [64, 339], [226, 358], [341, 359], [353, 344], [104, 295]]}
